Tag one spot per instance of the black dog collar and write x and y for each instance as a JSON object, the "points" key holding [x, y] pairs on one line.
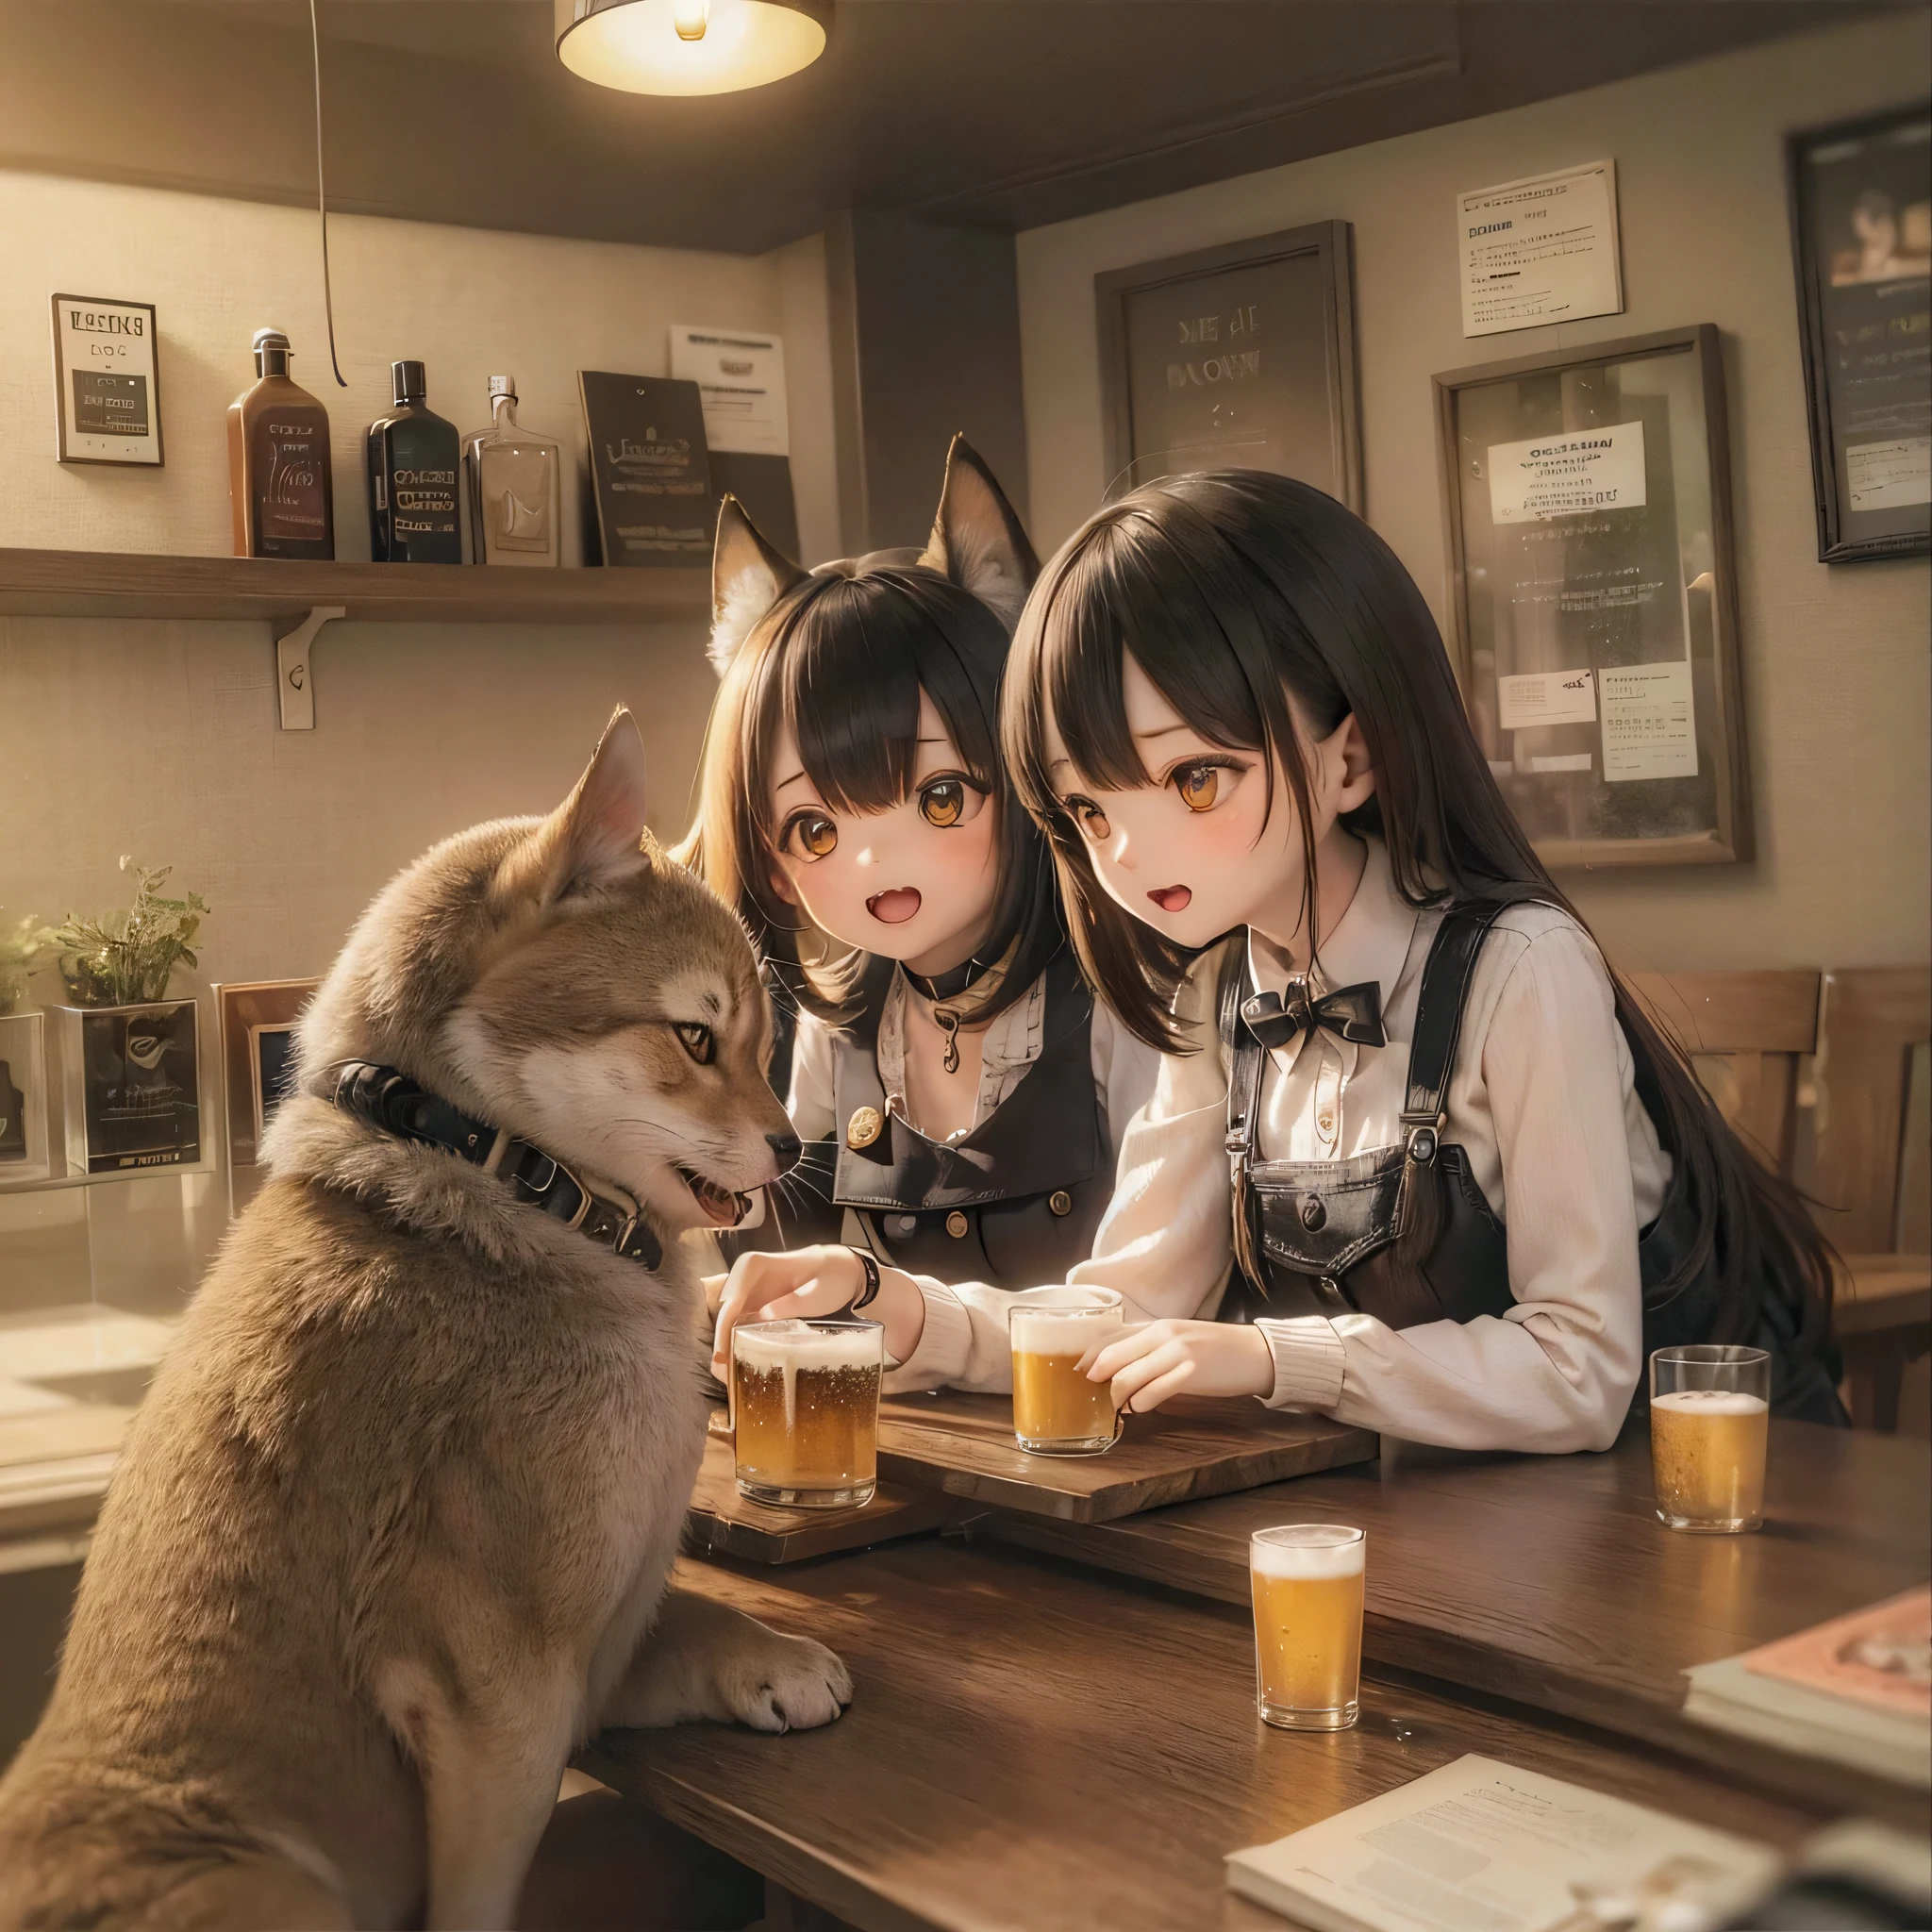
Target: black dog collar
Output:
{"points": [[393, 1102]]}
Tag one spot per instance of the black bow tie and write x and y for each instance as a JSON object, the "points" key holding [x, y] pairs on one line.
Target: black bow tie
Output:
{"points": [[1351, 1012]]}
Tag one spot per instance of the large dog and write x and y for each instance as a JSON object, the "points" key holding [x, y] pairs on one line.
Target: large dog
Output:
{"points": [[393, 1527]]}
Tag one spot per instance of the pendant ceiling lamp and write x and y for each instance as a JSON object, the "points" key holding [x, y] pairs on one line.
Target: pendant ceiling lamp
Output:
{"points": [[690, 46]]}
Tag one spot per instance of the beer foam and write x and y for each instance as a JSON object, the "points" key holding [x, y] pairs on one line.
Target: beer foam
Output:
{"points": [[1710, 1402], [1308, 1562], [1064, 1331], [789, 1346]]}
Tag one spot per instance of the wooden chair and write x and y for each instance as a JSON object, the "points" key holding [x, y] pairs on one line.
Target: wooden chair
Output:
{"points": [[1861, 1152], [1816, 1071]]}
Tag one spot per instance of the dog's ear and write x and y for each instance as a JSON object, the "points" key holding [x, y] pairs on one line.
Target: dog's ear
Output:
{"points": [[748, 577], [977, 541], [596, 837]]}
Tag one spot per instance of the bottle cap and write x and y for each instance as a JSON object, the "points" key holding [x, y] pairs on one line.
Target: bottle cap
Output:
{"points": [[409, 381], [270, 343], [504, 386]]}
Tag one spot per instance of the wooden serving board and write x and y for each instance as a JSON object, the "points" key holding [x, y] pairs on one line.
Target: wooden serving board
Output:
{"points": [[723, 1522], [962, 1445]]}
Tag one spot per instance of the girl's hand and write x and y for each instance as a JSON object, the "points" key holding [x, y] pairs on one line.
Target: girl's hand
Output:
{"points": [[812, 1284], [1169, 1358]]}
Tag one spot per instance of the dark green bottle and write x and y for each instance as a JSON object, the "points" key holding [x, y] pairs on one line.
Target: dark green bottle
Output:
{"points": [[412, 479]]}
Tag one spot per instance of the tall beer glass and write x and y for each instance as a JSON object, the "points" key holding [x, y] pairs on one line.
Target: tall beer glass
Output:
{"points": [[1057, 1410], [1308, 1585], [805, 1403], [1709, 1419]]}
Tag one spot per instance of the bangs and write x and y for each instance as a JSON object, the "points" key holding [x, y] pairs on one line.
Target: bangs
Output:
{"points": [[845, 668]]}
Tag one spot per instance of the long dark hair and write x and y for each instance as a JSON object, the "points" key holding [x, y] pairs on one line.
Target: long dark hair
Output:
{"points": [[842, 658], [1235, 592]]}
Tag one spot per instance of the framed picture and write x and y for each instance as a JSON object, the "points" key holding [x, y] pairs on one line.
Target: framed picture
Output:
{"points": [[1239, 357], [107, 381], [1861, 229], [257, 1029], [24, 1154], [131, 1080], [1593, 601]]}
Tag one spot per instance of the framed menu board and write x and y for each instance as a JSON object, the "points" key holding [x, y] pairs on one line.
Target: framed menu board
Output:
{"points": [[1240, 357], [1861, 229], [1592, 599]]}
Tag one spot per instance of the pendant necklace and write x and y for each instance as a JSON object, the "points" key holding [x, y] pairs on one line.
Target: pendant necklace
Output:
{"points": [[942, 987]]}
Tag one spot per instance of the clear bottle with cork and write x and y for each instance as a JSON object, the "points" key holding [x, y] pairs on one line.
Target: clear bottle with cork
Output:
{"points": [[511, 475], [279, 484], [412, 479]]}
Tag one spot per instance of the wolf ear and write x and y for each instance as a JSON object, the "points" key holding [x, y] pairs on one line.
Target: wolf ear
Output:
{"points": [[596, 837], [977, 539], [748, 577]]}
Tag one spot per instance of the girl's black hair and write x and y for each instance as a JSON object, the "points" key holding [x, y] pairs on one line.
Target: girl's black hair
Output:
{"points": [[1237, 591], [842, 658]]}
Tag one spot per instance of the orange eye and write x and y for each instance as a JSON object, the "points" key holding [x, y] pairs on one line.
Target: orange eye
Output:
{"points": [[1089, 817], [1199, 786], [943, 804], [814, 836]]}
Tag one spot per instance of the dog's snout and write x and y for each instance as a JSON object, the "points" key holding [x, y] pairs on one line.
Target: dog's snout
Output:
{"points": [[787, 1147]]}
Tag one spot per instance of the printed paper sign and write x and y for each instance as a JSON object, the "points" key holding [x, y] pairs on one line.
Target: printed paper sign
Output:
{"points": [[1649, 731], [741, 375], [1889, 475], [1567, 476], [1545, 697], [1538, 251]]}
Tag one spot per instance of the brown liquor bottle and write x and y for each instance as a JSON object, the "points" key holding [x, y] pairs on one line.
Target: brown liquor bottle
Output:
{"points": [[278, 469]]}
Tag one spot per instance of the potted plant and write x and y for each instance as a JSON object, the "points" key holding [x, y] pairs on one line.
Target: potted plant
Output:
{"points": [[19, 948]]}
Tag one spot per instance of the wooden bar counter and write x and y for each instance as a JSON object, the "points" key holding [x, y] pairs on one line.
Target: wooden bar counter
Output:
{"points": [[1036, 1744], [1549, 1581]]}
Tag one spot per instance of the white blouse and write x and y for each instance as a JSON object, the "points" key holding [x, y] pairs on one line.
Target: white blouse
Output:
{"points": [[1542, 1099]]}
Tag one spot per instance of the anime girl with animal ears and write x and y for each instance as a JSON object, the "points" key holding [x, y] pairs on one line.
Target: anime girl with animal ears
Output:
{"points": [[1416, 1159], [961, 1095]]}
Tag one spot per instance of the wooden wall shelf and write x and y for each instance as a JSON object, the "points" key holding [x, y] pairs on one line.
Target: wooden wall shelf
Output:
{"points": [[93, 583]]}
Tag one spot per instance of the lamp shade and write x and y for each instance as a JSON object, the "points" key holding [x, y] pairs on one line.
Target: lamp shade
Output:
{"points": [[690, 46]]}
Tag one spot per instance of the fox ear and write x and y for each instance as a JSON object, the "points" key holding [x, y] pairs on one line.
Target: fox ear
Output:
{"points": [[977, 541], [748, 577], [596, 837]]}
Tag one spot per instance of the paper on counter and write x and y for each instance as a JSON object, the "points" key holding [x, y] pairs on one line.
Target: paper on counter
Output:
{"points": [[1649, 730]]}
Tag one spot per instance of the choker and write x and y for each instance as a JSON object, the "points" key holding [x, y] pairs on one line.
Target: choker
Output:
{"points": [[948, 985], [388, 1099]]}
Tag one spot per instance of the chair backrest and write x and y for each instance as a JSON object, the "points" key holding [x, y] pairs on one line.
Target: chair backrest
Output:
{"points": [[1746, 1034], [1862, 1150]]}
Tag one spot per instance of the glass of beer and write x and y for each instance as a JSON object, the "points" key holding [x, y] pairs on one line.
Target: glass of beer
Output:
{"points": [[1307, 1580], [804, 1406], [1057, 1410], [1710, 1417]]}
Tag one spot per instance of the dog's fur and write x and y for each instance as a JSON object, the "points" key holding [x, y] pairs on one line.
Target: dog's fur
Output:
{"points": [[394, 1525]]}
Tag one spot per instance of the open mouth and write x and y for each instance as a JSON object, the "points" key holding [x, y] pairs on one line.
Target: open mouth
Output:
{"points": [[894, 908], [1172, 898], [719, 1206]]}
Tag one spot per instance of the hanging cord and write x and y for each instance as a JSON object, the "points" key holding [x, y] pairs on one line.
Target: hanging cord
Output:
{"points": [[329, 306]]}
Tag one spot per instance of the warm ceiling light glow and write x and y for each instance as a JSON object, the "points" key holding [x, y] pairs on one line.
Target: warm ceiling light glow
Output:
{"points": [[690, 46]]}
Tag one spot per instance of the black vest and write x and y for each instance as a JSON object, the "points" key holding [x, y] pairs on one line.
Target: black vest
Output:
{"points": [[1317, 1236], [1017, 1201]]}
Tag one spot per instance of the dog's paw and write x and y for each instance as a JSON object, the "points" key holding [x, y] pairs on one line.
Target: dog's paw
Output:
{"points": [[774, 1683]]}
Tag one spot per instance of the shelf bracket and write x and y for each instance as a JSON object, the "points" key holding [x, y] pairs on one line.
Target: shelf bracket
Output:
{"points": [[296, 673]]}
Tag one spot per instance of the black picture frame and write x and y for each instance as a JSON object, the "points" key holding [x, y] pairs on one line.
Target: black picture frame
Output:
{"points": [[1848, 318], [1325, 250]]}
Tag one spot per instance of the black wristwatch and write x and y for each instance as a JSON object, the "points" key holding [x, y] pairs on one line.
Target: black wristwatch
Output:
{"points": [[871, 1281]]}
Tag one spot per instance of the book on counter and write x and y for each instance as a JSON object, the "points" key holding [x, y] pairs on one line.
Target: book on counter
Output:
{"points": [[1857, 1690], [650, 470], [1484, 1845]]}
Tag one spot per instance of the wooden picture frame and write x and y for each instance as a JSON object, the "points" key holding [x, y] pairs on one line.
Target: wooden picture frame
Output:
{"points": [[1859, 304], [1254, 345], [257, 1020], [1593, 599]]}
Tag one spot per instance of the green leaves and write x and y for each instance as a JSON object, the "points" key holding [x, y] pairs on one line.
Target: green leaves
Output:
{"points": [[125, 957]]}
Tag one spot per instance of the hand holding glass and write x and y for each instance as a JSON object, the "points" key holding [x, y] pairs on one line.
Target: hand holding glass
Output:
{"points": [[805, 1404], [1057, 1410]]}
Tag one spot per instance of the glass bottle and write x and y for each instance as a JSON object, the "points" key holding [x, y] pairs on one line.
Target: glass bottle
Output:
{"points": [[412, 479], [511, 473], [278, 469]]}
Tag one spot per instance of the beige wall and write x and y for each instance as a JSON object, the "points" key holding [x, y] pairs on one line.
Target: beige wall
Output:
{"points": [[1838, 677], [161, 739]]}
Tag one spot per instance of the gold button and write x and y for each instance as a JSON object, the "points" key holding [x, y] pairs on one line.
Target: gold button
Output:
{"points": [[956, 1225], [865, 1128], [1060, 1201]]}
